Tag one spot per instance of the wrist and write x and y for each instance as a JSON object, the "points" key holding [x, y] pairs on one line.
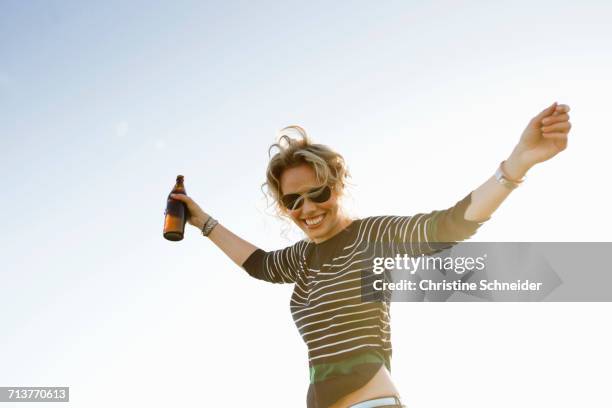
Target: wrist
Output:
{"points": [[201, 221], [514, 168], [210, 224]]}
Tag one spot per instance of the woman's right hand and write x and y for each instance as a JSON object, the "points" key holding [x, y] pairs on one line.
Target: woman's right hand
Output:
{"points": [[197, 217]]}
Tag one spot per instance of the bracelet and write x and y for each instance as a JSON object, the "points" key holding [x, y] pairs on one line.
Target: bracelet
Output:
{"points": [[209, 225], [501, 178]]}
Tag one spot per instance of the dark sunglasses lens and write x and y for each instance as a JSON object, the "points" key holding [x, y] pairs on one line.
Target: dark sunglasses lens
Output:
{"points": [[292, 201], [322, 195], [295, 201]]}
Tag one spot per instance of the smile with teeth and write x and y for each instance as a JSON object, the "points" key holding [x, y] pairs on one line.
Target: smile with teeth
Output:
{"points": [[314, 221]]}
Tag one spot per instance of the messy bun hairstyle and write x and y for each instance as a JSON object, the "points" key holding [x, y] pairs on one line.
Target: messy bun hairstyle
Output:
{"points": [[328, 165]]}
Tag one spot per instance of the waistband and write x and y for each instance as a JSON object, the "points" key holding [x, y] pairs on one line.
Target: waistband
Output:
{"points": [[392, 401]]}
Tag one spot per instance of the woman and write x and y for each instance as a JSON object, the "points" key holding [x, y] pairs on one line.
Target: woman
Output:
{"points": [[348, 339]]}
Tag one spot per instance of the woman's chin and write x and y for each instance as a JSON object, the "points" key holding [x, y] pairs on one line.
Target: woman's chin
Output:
{"points": [[319, 234]]}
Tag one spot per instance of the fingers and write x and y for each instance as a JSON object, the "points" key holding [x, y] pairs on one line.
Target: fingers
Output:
{"points": [[554, 119], [180, 197], [562, 126], [552, 111], [546, 112], [561, 109], [554, 135], [557, 125]]}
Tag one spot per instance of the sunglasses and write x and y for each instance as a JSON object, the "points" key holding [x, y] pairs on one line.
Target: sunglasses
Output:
{"points": [[318, 195]]}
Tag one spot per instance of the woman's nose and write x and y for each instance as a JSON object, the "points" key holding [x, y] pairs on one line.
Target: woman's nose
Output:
{"points": [[308, 206]]}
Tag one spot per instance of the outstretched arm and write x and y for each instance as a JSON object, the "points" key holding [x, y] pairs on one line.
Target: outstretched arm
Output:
{"points": [[544, 137], [280, 266], [236, 248]]}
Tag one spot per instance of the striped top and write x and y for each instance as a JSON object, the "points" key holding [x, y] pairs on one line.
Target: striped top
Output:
{"points": [[348, 339]]}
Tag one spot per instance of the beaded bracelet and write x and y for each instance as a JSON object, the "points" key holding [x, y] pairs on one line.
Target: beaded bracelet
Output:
{"points": [[209, 225]]}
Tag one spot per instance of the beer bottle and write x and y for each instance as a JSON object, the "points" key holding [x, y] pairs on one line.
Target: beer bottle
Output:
{"points": [[176, 213]]}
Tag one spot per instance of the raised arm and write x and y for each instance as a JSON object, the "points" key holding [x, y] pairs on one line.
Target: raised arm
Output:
{"points": [[544, 137], [279, 266], [236, 248]]}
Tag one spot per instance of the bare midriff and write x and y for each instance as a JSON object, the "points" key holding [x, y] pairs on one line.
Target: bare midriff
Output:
{"points": [[380, 385]]}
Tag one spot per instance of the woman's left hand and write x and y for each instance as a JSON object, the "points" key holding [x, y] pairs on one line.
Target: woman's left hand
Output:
{"points": [[544, 137]]}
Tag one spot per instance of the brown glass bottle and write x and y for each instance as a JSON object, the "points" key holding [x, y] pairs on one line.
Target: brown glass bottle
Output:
{"points": [[176, 213]]}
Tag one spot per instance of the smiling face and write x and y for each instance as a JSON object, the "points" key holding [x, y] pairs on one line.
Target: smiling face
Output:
{"points": [[320, 221]]}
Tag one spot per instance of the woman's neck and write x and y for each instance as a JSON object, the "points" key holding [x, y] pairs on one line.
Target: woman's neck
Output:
{"points": [[342, 224]]}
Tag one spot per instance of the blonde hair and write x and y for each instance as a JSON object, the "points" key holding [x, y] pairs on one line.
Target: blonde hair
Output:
{"points": [[328, 165]]}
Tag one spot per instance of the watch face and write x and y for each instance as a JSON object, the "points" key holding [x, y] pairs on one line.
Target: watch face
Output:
{"points": [[499, 176]]}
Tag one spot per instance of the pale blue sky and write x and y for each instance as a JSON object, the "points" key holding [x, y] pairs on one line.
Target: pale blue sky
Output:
{"points": [[102, 104]]}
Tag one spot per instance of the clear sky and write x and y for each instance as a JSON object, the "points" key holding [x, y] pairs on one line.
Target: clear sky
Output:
{"points": [[102, 104]]}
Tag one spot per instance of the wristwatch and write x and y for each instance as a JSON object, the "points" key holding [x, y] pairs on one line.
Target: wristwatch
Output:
{"points": [[501, 178]]}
